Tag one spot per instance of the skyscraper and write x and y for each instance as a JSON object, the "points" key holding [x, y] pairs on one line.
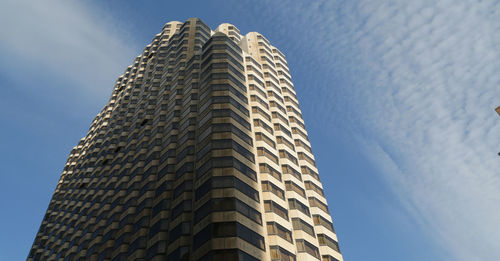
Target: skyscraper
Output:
{"points": [[200, 154]]}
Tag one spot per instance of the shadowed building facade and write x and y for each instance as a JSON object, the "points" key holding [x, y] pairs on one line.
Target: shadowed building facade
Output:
{"points": [[200, 154]]}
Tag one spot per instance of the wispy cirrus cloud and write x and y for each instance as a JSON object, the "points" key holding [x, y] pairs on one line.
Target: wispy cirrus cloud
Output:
{"points": [[419, 81], [67, 40], [437, 72], [58, 61]]}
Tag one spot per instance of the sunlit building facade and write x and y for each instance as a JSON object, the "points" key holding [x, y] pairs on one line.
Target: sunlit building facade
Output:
{"points": [[200, 154]]}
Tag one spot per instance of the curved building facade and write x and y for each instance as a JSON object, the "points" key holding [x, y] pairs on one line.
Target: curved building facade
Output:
{"points": [[200, 154]]}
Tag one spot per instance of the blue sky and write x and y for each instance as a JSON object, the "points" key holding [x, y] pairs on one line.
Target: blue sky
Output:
{"points": [[398, 99]]}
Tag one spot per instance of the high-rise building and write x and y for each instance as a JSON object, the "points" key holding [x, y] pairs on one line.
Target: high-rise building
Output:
{"points": [[200, 154]]}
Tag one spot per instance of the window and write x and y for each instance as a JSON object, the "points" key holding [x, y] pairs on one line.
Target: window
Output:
{"points": [[304, 156], [227, 204], [228, 229], [314, 202], [226, 162], [183, 228], [224, 113], [225, 47], [254, 87], [260, 101], [156, 249], [279, 127], [283, 140], [187, 167], [290, 186], [287, 169], [302, 144], [321, 221], [223, 65], [160, 226], [286, 155], [261, 151], [274, 228], [329, 258], [224, 127], [184, 186], [324, 240], [268, 186], [298, 131], [295, 204], [265, 168], [138, 243], [184, 206], [226, 182], [224, 100], [161, 206], [304, 246], [271, 206], [299, 224], [228, 255], [260, 123], [258, 110], [263, 137], [308, 171], [224, 88], [225, 144], [311, 186], [278, 253], [202, 236], [187, 151], [181, 254]]}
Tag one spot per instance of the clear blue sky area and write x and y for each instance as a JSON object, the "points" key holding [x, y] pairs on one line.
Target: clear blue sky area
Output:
{"points": [[398, 99]]}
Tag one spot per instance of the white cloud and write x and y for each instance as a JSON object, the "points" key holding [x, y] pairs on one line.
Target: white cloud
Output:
{"points": [[65, 39], [423, 79], [437, 88]]}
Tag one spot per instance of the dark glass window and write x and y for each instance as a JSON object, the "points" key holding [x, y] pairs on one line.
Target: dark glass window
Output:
{"points": [[184, 186], [224, 127], [265, 168], [299, 224], [227, 255], [156, 249], [291, 186], [162, 205], [226, 182], [227, 204], [261, 151], [304, 246], [287, 169], [278, 253], [183, 228], [139, 243], [271, 206], [274, 228], [181, 254], [269, 186], [295, 204], [321, 221], [263, 137], [184, 206], [228, 229], [224, 113], [226, 162], [325, 240], [314, 202], [225, 144], [329, 258], [161, 225]]}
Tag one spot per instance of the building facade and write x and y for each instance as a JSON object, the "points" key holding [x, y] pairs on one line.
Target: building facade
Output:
{"points": [[200, 154]]}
